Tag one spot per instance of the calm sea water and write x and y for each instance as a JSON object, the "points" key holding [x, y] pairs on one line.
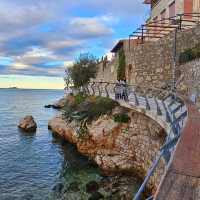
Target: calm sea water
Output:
{"points": [[29, 164]]}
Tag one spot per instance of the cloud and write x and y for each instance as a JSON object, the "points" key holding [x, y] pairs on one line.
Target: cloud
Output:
{"points": [[42, 37], [86, 27], [62, 44], [19, 66]]}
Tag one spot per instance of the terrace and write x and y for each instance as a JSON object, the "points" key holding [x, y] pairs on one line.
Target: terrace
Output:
{"points": [[157, 29]]}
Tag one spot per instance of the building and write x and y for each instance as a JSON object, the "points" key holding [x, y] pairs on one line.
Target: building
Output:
{"points": [[161, 9]]}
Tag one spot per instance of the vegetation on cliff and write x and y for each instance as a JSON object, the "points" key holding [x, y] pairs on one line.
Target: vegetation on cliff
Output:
{"points": [[82, 107], [121, 67], [83, 69], [121, 118]]}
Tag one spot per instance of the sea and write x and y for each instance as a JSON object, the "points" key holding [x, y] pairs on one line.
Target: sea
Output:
{"points": [[31, 164]]}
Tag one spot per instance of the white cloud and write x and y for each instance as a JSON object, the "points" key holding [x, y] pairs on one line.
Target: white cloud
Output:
{"points": [[90, 26], [63, 44], [35, 33], [19, 66]]}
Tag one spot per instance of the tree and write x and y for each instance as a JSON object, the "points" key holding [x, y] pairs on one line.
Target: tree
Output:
{"points": [[83, 69], [121, 68]]}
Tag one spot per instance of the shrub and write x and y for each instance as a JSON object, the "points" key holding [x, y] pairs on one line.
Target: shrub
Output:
{"points": [[95, 107], [84, 109], [80, 98], [121, 118], [190, 54], [87, 108]]}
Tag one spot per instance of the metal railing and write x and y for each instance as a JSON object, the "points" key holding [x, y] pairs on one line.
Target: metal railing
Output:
{"points": [[157, 29], [163, 103]]}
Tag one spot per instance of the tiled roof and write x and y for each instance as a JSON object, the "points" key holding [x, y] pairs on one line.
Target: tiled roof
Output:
{"points": [[147, 1]]}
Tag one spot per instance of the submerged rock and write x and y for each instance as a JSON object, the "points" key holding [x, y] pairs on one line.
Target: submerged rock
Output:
{"points": [[92, 186], [96, 196], [28, 124], [58, 188]]}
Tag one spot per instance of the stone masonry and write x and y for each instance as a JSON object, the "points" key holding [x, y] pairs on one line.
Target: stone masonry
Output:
{"points": [[150, 64]]}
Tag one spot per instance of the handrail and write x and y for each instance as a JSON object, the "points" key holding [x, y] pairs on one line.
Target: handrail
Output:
{"points": [[149, 174], [163, 27]]}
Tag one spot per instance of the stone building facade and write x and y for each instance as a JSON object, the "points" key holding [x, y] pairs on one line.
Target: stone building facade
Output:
{"points": [[161, 9], [151, 64]]}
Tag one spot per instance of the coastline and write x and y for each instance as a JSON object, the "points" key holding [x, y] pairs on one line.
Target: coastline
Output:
{"points": [[108, 144]]}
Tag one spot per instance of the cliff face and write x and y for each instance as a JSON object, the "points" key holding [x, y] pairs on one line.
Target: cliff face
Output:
{"points": [[117, 147]]}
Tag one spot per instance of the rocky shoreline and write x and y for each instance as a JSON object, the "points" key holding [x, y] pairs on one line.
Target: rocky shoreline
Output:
{"points": [[117, 148], [90, 184]]}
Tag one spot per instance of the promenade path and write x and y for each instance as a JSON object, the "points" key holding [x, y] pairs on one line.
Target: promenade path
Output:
{"points": [[182, 179]]}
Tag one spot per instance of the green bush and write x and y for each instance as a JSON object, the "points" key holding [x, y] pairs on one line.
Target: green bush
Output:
{"points": [[121, 118], [81, 107], [85, 109], [190, 54], [79, 98], [97, 106], [121, 68]]}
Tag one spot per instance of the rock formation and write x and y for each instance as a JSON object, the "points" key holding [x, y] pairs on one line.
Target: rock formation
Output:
{"points": [[28, 124], [117, 147]]}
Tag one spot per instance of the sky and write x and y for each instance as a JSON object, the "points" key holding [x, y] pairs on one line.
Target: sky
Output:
{"points": [[40, 38]]}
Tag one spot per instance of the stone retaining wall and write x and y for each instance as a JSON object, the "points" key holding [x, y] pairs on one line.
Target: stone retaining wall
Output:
{"points": [[191, 79], [145, 138]]}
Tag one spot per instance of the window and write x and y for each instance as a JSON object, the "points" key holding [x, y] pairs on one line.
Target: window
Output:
{"points": [[163, 16], [155, 20], [172, 9]]}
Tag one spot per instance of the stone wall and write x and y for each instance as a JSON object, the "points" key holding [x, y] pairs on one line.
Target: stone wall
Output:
{"points": [[150, 64], [191, 79], [142, 139], [154, 60], [107, 71]]}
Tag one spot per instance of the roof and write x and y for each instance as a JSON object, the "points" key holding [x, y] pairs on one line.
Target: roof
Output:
{"points": [[117, 46], [147, 1], [125, 42]]}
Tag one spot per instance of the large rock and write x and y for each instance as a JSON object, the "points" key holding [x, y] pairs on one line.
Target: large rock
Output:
{"points": [[117, 147], [28, 124]]}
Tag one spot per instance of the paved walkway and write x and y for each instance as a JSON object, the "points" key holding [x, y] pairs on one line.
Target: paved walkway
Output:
{"points": [[182, 179]]}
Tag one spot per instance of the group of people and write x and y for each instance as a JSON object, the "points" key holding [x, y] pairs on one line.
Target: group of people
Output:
{"points": [[121, 90]]}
